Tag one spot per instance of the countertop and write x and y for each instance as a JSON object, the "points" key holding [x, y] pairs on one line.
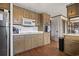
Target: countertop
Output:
{"points": [[27, 33], [72, 34]]}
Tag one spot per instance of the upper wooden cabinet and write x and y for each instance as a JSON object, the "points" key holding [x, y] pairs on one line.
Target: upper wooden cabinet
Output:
{"points": [[16, 15], [5, 6], [26, 42], [19, 13], [45, 19], [73, 10]]}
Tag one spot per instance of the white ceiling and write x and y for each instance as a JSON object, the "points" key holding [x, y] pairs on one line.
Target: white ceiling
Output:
{"points": [[52, 9]]}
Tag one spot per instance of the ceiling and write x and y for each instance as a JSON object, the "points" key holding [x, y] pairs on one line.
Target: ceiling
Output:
{"points": [[52, 9]]}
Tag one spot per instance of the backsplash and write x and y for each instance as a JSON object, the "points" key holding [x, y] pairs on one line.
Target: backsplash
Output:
{"points": [[25, 29]]}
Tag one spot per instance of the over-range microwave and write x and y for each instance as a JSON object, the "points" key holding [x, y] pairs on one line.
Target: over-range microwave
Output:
{"points": [[28, 22]]}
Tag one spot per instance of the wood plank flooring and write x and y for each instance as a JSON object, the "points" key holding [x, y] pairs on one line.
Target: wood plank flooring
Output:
{"points": [[47, 50]]}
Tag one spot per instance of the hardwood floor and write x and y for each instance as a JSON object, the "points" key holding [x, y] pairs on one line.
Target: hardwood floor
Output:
{"points": [[47, 50]]}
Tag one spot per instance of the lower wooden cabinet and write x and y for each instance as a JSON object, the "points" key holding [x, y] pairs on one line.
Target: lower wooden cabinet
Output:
{"points": [[18, 44], [40, 40], [34, 41], [25, 42], [37, 40], [28, 42], [46, 38], [71, 44]]}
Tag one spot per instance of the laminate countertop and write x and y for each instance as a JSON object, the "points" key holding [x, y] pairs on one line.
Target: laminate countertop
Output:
{"points": [[72, 34], [27, 33]]}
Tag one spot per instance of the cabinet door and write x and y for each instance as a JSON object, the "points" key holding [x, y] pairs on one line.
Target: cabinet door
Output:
{"points": [[46, 19], [15, 14], [15, 38], [15, 10], [4, 6], [20, 14], [71, 45], [30, 14], [18, 44], [28, 42], [40, 39], [33, 16], [38, 20], [25, 13], [71, 10], [35, 41], [46, 38]]}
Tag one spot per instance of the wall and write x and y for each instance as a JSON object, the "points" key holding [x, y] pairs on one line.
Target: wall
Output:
{"points": [[57, 28], [23, 29]]}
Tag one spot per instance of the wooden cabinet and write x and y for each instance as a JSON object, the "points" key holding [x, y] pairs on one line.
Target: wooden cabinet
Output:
{"points": [[25, 13], [18, 44], [71, 44], [45, 18], [37, 40], [15, 12], [17, 15], [73, 10], [37, 20], [34, 41], [40, 40], [29, 14], [5, 6], [46, 38], [20, 13], [28, 42], [25, 42]]}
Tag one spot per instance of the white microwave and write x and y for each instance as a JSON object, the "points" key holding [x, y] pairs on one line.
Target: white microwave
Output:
{"points": [[28, 22]]}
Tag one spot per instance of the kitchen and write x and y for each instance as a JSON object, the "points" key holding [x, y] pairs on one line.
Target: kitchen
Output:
{"points": [[34, 30], [39, 29], [31, 33]]}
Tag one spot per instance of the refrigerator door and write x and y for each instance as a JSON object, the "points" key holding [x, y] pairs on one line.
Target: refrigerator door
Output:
{"points": [[4, 34], [3, 41]]}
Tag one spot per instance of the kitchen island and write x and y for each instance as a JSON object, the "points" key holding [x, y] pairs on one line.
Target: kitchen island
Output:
{"points": [[71, 44]]}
